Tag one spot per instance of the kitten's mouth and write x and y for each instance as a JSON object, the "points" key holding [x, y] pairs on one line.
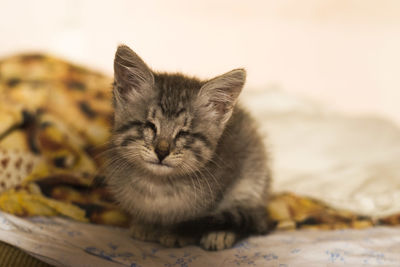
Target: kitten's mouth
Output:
{"points": [[160, 164], [159, 168]]}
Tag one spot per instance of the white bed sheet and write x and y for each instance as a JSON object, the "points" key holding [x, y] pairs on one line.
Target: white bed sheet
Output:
{"points": [[67, 243], [350, 162]]}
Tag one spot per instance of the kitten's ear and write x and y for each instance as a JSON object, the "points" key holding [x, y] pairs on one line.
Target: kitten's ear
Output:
{"points": [[220, 94], [131, 74]]}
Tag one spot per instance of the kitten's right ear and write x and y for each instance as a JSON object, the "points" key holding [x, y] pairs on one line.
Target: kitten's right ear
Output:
{"points": [[131, 74]]}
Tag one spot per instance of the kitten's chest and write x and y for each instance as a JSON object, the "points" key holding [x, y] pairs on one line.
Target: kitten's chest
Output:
{"points": [[165, 202], [162, 196]]}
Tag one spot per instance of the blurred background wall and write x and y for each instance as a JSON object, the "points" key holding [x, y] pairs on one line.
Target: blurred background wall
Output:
{"points": [[342, 53]]}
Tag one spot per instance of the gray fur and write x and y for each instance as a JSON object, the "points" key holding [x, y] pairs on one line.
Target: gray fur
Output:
{"points": [[185, 159]]}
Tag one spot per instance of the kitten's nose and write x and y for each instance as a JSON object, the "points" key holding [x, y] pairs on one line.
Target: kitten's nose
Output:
{"points": [[162, 149]]}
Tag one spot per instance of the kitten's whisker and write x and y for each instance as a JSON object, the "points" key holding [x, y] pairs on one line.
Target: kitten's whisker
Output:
{"points": [[215, 180], [194, 186], [212, 176], [200, 179], [196, 180]]}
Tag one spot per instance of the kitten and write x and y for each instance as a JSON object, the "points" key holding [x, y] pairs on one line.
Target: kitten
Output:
{"points": [[185, 160]]}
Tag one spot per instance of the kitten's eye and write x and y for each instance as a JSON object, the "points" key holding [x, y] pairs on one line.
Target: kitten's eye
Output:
{"points": [[151, 125], [181, 134]]}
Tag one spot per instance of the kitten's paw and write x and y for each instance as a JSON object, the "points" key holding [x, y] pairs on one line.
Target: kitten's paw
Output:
{"points": [[172, 240], [218, 240], [143, 233]]}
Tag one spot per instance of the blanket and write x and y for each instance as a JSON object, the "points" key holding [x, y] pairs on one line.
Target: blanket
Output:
{"points": [[55, 120]]}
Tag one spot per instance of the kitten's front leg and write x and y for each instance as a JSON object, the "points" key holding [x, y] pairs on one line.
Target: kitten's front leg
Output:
{"points": [[170, 239], [144, 232], [223, 229], [163, 235]]}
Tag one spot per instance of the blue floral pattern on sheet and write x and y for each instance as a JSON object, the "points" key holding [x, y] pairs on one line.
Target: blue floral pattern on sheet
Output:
{"points": [[182, 260], [111, 254], [79, 244], [246, 256]]}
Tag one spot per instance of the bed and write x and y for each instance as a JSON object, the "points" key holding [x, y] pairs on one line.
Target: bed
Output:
{"points": [[336, 179]]}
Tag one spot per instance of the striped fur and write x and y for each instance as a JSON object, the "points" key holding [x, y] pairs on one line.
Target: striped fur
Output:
{"points": [[185, 159]]}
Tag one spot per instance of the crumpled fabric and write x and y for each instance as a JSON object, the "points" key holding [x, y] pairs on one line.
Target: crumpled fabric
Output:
{"points": [[55, 120]]}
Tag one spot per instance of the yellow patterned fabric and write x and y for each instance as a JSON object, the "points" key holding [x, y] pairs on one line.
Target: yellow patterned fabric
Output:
{"points": [[54, 123]]}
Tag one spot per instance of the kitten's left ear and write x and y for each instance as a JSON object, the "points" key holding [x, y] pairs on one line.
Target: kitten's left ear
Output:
{"points": [[221, 93]]}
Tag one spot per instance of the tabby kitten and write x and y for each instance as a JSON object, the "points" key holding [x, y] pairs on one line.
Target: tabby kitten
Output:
{"points": [[185, 160]]}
